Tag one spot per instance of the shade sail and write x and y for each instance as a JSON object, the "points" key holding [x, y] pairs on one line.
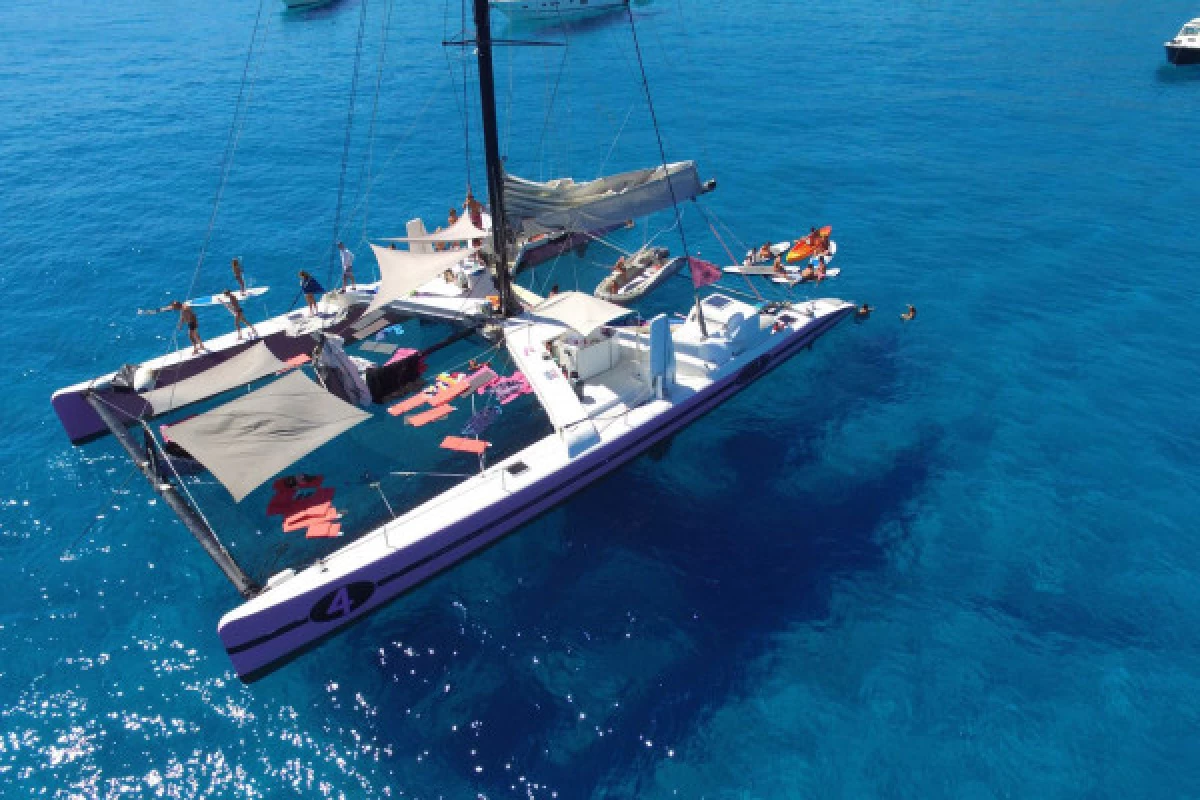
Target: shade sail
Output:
{"points": [[248, 441], [462, 231], [532, 207], [404, 270], [580, 312], [249, 365]]}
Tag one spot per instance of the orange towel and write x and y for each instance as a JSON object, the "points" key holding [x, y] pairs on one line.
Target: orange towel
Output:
{"points": [[408, 404], [324, 530], [450, 392], [325, 512], [432, 415], [462, 445]]}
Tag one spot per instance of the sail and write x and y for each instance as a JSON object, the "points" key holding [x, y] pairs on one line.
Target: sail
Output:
{"points": [[563, 204], [462, 231], [404, 270], [249, 440]]}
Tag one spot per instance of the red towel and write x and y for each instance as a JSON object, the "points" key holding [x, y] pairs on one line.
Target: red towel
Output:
{"points": [[324, 530], [425, 417], [408, 404]]}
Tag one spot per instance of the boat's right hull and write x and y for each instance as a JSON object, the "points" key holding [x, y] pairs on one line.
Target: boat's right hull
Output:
{"points": [[263, 640]]}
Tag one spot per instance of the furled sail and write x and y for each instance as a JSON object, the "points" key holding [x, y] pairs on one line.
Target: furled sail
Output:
{"points": [[564, 205], [405, 270], [246, 442]]}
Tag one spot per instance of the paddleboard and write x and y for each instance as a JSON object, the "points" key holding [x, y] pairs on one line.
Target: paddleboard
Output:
{"points": [[219, 299], [765, 269], [789, 279]]}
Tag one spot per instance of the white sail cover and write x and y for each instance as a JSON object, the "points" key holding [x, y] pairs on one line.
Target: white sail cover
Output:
{"points": [[404, 270], [582, 313], [248, 441], [249, 365], [462, 231], [564, 205]]}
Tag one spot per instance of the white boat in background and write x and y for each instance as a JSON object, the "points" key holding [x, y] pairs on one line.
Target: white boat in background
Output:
{"points": [[1184, 49], [300, 5], [549, 9]]}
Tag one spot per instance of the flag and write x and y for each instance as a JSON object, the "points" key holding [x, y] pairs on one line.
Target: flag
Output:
{"points": [[703, 272]]}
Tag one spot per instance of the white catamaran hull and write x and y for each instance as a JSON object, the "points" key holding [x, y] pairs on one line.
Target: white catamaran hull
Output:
{"points": [[305, 608]]}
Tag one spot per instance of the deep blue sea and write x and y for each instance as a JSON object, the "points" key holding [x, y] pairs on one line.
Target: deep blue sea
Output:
{"points": [[955, 558]]}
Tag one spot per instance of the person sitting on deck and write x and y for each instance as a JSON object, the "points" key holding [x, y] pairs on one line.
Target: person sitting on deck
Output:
{"points": [[311, 288], [553, 290], [239, 317], [619, 267], [808, 273], [777, 267], [188, 317], [764, 252], [820, 269]]}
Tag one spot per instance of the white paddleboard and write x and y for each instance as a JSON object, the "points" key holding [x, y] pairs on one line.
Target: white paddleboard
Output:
{"points": [[794, 277], [219, 299], [768, 270]]}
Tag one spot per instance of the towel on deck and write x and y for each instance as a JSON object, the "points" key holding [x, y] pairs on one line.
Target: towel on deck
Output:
{"points": [[462, 445], [408, 404], [425, 417]]}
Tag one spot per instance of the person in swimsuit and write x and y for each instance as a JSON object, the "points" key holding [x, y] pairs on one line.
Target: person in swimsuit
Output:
{"points": [[808, 273], [764, 252], [778, 267], [311, 288], [188, 317], [820, 269], [909, 315], [236, 266], [347, 267], [239, 317], [863, 312]]}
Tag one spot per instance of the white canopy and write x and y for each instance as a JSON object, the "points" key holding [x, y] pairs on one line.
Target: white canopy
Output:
{"points": [[249, 365], [404, 270], [462, 231], [246, 442], [564, 205], [580, 312]]}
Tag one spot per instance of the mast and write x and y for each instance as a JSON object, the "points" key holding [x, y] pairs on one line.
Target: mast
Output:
{"points": [[491, 150]]}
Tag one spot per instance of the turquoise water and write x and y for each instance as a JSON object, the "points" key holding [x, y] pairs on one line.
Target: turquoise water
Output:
{"points": [[954, 558]]}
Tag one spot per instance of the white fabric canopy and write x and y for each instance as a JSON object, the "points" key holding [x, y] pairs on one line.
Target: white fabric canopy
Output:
{"points": [[404, 270], [531, 207], [249, 365], [246, 442], [462, 231], [580, 312]]}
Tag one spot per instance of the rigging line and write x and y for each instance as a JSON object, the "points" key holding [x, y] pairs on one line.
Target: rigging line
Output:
{"points": [[725, 247], [657, 133], [617, 138], [553, 98], [235, 126], [97, 516], [178, 478], [383, 40], [466, 98], [337, 214]]}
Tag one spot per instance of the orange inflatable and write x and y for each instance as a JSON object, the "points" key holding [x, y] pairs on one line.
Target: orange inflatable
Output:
{"points": [[804, 248]]}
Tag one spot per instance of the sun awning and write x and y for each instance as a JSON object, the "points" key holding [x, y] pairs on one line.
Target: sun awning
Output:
{"points": [[404, 270], [462, 231], [246, 442], [580, 312], [249, 365]]}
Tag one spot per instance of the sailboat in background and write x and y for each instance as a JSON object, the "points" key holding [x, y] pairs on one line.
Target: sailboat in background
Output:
{"points": [[552, 9], [609, 386]]}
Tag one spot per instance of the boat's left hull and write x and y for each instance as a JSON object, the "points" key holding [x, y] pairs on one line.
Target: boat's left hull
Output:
{"points": [[260, 636], [1183, 56]]}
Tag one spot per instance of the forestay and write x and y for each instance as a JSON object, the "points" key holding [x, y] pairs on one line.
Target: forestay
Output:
{"points": [[249, 365], [249, 440], [403, 271], [564, 205]]}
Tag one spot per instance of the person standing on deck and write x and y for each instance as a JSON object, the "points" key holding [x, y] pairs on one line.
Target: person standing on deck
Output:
{"points": [[347, 266], [239, 317], [311, 288], [475, 211], [236, 266], [188, 317]]}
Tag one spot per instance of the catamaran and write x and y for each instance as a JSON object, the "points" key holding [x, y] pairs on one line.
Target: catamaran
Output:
{"points": [[608, 386]]}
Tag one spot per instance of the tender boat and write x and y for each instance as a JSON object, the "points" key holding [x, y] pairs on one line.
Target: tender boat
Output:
{"points": [[548, 9], [641, 273], [1184, 49]]}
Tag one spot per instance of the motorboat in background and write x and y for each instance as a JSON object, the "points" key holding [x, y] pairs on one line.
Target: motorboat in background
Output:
{"points": [[1184, 49], [549, 9]]}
